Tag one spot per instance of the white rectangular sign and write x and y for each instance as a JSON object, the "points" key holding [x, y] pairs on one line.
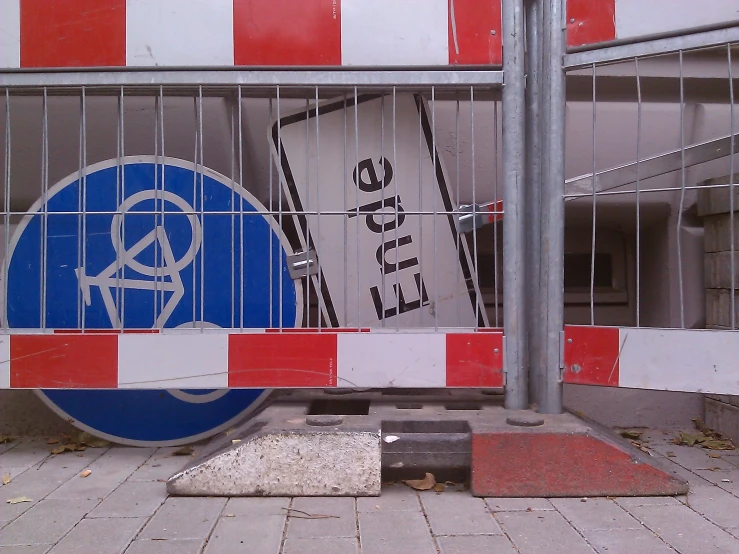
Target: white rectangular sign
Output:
{"points": [[378, 212]]}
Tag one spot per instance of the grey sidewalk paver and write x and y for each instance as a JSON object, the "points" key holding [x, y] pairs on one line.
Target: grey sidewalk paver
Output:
{"points": [[27, 549], [161, 465], [403, 532], [184, 518], [458, 513], [715, 504], [101, 536], [685, 530], [518, 504], [260, 506], [392, 498], [132, 499], [45, 523], [340, 545], [635, 501], [256, 534], [627, 541], [690, 457], [26, 454], [186, 546], [313, 523], [467, 544], [594, 514], [542, 531]]}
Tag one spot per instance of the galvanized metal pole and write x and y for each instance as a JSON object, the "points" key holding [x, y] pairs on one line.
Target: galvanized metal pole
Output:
{"points": [[514, 312], [533, 193], [552, 207]]}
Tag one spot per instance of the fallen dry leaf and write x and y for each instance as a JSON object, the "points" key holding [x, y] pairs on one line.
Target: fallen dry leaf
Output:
{"points": [[635, 435], [53, 440], [439, 487], [671, 455], [6, 479], [67, 448], [184, 451], [88, 439], [6, 438], [86, 473], [424, 484], [18, 500], [713, 455]]}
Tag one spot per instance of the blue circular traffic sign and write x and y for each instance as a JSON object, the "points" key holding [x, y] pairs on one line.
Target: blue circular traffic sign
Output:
{"points": [[149, 243]]}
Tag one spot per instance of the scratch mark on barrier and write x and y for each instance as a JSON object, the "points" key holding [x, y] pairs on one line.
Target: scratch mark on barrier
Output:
{"points": [[454, 27], [618, 357]]}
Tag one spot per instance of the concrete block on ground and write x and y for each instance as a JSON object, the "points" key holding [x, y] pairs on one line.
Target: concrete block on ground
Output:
{"points": [[562, 457], [717, 232], [718, 308], [723, 417], [102, 536], [286, 456], [712, 201]]}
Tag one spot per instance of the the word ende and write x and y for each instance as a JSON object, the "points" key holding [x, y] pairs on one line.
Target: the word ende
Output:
{"points": [[366, 179]]}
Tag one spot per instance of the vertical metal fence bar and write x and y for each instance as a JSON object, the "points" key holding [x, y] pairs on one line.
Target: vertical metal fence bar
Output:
{"points": [[397, 234], [45, 204], [638, 183], [731, 189], [533, 193], [514, 312], [122, 127], [6, 205], [682, 195], [241, 215], [552, 206], [594, 201], [496, 282]]}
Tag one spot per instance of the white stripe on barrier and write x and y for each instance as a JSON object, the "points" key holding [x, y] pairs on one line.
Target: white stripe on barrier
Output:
{"points": [[4, 362], [10, 33]]}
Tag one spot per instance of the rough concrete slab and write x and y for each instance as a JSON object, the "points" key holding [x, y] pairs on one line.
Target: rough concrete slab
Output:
{"points": [[691, 457], [186, 546], [685, 530], [184, 518], [392, 498], [102, 536], [475, 543], [282, 456], [723, 417], [45, 523], [321, 546], [395, 533], [26, 549], [458, 513], [518, 504], [628, 541], [542, 531], [256, 534], [594, 514], [262, 505], [132, 499], [715, 504], [26, 453], [340, 523]]}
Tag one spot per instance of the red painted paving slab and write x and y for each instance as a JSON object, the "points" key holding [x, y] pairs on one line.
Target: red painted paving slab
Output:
{"points": [[64, 361], [475, 36], [561, 464], [592, 355], [590, 21], [282, 360], [474, 360], [287, 32], [73, 33]]}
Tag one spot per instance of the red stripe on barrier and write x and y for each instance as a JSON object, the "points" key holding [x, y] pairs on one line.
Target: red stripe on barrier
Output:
{"points": [[287, 32], [64, 361], [474, 360], [73, 33], [475, 32], [590, 21], [591, 355], [282, 360]]}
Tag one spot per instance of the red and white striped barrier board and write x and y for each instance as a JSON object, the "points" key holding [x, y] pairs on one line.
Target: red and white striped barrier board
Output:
{"points": [[596, 21], [292, 358], [197, 33], [658, 359]]}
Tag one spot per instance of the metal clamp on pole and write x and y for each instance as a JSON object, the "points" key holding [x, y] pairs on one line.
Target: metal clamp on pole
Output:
{"points": [[303, 264], [474, 216]]}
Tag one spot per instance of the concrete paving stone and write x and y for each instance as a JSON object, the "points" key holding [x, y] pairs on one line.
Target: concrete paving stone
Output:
{"points": [[26, 454], [186, 546], [40, 480], [518, 504], [627, 541], [4, 447], [45, 523], [343, 522], [266, 505], [634, 501], [691, 457], [715, 504], [101, 535], [458, 513], [161, 465], [594, 513], [26, 549], [726, 479], [108, 471], [468, 544], [343, 545], [542, 531], [255, 534], [685, 530], [132, 499], [403, 532], [688, 475], [392, 498], [184, 518]]}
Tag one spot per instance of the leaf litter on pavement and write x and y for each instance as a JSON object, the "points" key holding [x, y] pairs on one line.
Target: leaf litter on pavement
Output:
{"points": [[704, 437], [76, 442]]}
